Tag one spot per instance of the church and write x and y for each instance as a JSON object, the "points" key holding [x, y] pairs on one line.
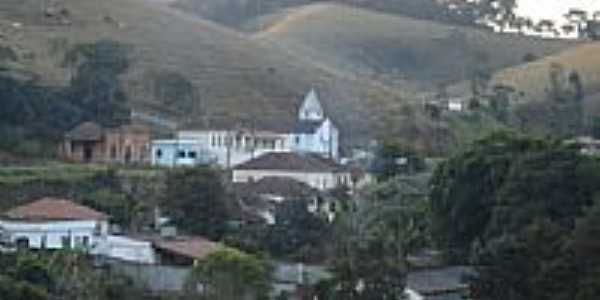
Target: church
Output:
{"points": [[312, 133]]}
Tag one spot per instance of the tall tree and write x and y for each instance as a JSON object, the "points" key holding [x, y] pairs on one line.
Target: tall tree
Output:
{"points": [[375, 236], [195, 199], [229, 274]]}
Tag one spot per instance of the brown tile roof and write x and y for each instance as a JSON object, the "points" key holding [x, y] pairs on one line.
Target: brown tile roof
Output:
{"points": [[188, 246], [54, 209], [88, 131], [291, 161]]}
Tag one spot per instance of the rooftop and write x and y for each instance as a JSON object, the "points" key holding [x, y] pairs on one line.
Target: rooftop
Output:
{"points": [[291, 161], [88, 131], [54, 209], [193, 247]]}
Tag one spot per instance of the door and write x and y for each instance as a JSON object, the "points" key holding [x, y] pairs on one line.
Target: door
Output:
{"points": [[88, 153]]}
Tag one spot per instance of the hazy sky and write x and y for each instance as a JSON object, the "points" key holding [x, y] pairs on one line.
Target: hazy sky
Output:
{"points": [[554, 9]]}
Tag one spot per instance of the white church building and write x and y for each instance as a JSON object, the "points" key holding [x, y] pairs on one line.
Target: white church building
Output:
{"points": [[312, 132]]}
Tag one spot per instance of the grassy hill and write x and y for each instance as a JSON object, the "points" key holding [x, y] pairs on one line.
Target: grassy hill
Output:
{"points": [[238, 13], [532, 79], [235, 78], [394, 49]]}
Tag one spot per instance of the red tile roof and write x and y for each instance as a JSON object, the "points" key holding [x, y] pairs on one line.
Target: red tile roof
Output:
{"points": [[54, 209], [188, 246]]}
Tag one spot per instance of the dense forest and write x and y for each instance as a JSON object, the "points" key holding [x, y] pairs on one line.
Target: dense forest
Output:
{"points": [[524, 210]]}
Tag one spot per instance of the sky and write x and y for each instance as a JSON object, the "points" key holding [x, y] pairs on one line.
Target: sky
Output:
{"points": [[553, 9]]}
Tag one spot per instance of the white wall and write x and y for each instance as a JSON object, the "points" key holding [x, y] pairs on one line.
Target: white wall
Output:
{"points": [[232, 153], [193, 153], [54, 231], [324, 141], [127, 249], [321, 181]]}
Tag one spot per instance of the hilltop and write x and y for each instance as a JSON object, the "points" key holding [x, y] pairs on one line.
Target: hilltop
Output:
{"points": [[395, 49]]}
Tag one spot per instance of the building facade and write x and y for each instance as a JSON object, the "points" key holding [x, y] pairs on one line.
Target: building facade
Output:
{"points": [[91, 143], [54, 224], [180, 152], [311, 132]]}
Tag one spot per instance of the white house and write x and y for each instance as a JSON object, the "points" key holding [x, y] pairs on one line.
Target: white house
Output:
{"points": [[312, 132], [180, 152], [232, 147], [54, 224], [316, 171]]}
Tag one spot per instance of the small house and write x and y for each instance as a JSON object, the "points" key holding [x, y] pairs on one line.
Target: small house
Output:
{"points": [[180, 152], [54, 224]]}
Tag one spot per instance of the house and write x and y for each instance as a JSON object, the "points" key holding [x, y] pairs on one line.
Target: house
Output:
{"points": [[587, 145], [230, 145], [456, 105], [440, 283], [259, 199], [312, 169], [92, 143], [54, 224], [180, 152]]}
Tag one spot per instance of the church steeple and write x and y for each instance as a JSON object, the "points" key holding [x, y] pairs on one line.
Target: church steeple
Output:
{"points": [[311, 109]]}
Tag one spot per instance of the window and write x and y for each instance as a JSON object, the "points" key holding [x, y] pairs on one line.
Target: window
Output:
{"points": [[44, 242], [78, 242], [66, 242], [86, 242], [213, 140], [181, 154], [219, 142], [22, 243], [159, 153], [297, 140], [192, 155]]}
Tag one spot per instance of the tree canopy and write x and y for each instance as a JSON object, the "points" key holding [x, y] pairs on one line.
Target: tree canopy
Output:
{"points": [[229, 274], [195, 199], [513, 206]]}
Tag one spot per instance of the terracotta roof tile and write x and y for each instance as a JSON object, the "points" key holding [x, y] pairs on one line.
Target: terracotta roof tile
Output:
{"points": [[188, 246], [54, 209]]}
